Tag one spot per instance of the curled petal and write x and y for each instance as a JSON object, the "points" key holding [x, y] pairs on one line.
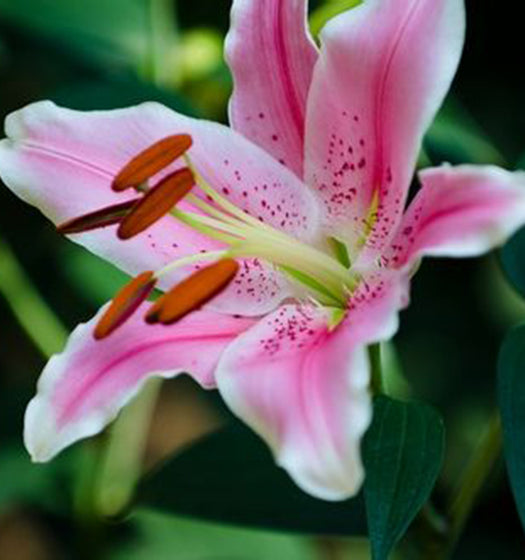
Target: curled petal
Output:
{"points": [[271, 55], [460, 212], [304, 388], [384, 69], [82, 389]]}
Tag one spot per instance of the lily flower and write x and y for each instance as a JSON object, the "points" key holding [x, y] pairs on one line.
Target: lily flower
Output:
{"points": [[282, 244]]}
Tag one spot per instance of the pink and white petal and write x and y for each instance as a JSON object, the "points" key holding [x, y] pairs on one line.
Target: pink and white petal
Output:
{"points": [[271, 55], [304, 388], [384, 69], [82, 389], [460, 212], [63, 162]]}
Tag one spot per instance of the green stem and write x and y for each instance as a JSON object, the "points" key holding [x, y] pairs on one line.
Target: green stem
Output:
{"points": [[121, 464], [376, 376], [32, 313], [473, 479]]}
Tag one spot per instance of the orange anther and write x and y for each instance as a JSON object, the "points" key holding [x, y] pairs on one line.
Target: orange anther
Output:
{"points": [[193, 292], [97, 219], [124, 304], [151, 161], [157, 202]]}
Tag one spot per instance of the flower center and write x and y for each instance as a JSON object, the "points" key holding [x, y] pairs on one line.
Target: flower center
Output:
{"points": [[326, 277]]}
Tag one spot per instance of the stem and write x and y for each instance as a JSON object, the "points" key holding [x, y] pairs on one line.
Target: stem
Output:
{"points": [[473, 479], [376, 372], [121, 464], [32, 313]]}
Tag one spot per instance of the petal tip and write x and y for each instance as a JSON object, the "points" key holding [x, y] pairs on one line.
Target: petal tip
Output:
{"points": [[39, 429]]}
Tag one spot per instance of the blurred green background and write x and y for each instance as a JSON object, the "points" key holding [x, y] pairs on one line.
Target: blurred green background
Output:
{"points": [[103, 54]]}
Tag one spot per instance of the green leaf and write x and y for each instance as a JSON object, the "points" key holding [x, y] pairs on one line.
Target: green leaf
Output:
{"points": [[96, 280], [511, 393], [455, 137], [23, 482], [166, 537], [116, 93], [402, 453], [513, 260], [327, 11], [231, 476], [114, 31]]}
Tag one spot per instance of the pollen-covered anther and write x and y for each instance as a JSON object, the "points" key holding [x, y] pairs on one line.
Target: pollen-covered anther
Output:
{"points": [[193, 292], [124, 304], [152, 160], [97, 219], [156, 203]]}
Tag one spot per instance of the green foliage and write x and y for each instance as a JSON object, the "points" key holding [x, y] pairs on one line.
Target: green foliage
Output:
{"points": [[22, 482], [511, 370], [166, 537], [327, 11], [115, 93], [513, 261], [96, 280], [230, 476], [455, 137], [92, 54], [403, 453], [112, 32]]}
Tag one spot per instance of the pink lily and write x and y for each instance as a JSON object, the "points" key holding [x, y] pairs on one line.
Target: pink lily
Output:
{"points": [[308, 192]]}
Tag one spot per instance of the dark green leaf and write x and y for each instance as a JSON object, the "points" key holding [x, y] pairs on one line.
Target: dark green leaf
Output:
{"points": [[513, 261], [117, 93], [230, 476], [455, 137], [511, 371], [23, 482], [113, 31], [96, 280], [402, 452]]}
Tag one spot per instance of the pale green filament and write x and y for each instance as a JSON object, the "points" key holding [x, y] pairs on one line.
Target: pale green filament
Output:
{"points": [[191, 259], [247, 237]]}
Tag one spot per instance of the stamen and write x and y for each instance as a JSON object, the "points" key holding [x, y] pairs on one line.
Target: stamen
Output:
{"points": [[193, 292], [223, 202], [97, 219], [191, 259], [157, 202], [151, 161], [124, 304]]}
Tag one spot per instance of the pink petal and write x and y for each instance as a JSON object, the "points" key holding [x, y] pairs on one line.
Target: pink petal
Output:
{"points": [[460, 212], [271, 55], [384, 69], [82, 389], [304, 388], [63, 161]]}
